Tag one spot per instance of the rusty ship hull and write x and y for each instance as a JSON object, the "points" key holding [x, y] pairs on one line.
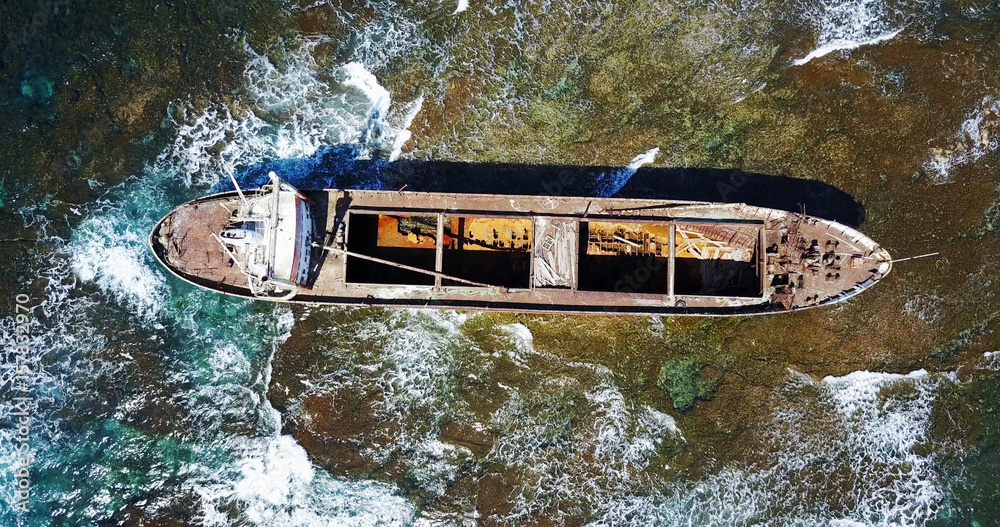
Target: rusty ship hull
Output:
{"points": [[545, 254]]}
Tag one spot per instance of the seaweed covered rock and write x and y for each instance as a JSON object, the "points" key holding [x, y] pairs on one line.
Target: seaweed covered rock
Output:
{"points": [[684, 383]]}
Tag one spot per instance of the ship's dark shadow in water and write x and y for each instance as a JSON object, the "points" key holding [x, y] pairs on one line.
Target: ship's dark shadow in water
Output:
{"points": [[339, 167]]}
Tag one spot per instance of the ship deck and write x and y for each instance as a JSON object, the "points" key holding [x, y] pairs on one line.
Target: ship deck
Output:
{"points": [[545, 254]]}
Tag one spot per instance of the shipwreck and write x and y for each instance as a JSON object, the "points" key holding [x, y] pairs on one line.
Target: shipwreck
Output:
{"points": [[550, 254]]}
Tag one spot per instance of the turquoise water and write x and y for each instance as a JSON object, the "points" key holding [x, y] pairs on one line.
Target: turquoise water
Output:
{"points": [[151, 400]]}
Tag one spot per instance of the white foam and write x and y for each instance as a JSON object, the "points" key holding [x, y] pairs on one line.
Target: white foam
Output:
{"points": [[609, 183], [990, 361], [109, 246], [850, 24], [273, 482], [355, 75], [67, 356], [194, 154], [644, 158], [858, 390], [229, 364], [295, 107], [658, 422], [419, 359], [403, 133], [298, 107], [839, 44], [842, 455], [435, 464], [462, 6], [411, 370], [522, 335], [524, 344], [116, 268], [625, 435], [760, 85], [267, 478], [976, 137], [925, 307], [392, 35], [563, 462], [284, 323], [277, 485], [432, 518]]}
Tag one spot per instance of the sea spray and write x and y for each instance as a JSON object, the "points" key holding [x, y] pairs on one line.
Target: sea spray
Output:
{"points": [[236, 455], [608, 184], [849, 24], [240, 469], [843, 452], [990, 361], [299, 107], [272, 478], [403, 133], [431, 394], [406, 358], [388, 40], [978, 135], [109, 246], [569, 442]]}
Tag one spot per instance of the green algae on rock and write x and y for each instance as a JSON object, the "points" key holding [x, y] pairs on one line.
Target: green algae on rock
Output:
{"points": [[683, 381]]}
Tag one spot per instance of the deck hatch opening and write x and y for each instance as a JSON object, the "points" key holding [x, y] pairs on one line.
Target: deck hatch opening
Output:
{"points": [[624, 257], [495, 251], [719, 259], [405, 239]]}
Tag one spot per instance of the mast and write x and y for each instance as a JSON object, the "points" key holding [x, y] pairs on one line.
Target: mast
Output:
{"points": [[273, 225], [237, 185]]}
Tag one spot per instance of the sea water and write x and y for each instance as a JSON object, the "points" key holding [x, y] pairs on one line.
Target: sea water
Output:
{"points": [[149, 397]]}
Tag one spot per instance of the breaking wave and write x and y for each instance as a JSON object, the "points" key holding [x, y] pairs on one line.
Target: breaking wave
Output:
{"points": [[990, 361], [570, 442], [109, 246], [849, 450], [298, 108], [419, 371], [609, 183], [269, 477], [850, 24], [411, 372], [978, 135]]}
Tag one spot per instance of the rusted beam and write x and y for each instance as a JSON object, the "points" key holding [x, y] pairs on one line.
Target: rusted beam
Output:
{"points": [[439, 249], [670, 261], [435, 274]]}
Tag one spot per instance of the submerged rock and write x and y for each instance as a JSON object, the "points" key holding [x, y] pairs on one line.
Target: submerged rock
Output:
{"points": [[37, 89]]}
